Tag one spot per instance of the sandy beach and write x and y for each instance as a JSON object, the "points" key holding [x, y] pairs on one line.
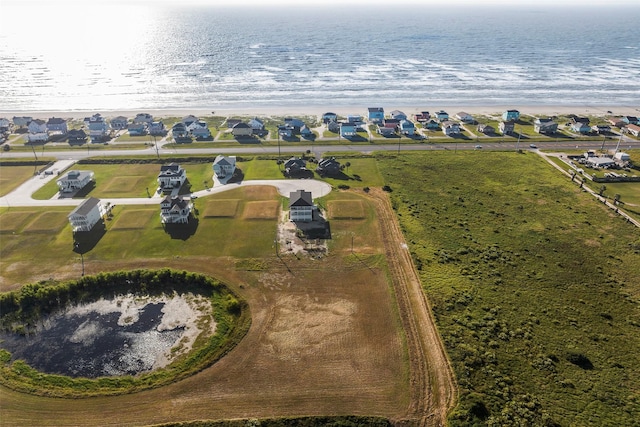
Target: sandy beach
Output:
{"points": [[537, 110]]}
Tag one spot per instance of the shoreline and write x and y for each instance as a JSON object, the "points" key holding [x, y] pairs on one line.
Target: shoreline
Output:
{"points": [[534, 110]]}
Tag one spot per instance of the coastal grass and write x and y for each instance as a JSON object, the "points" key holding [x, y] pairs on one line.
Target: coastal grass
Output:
{"points": [[134, 219], [12, 221], [263, 209], [221, 208], [47, 222], [534, 286]]}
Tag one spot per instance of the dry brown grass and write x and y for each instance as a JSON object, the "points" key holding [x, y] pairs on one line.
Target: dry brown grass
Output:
{"points": [[345, 209], [134, 220], [47, 222], [221, 208], [123, 184], [261, 210], [324, 340], [13, 221]]}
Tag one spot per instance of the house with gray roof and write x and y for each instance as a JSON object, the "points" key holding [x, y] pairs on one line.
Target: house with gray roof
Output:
{"points": [[74, 180], [86, 215], [175, 210], [301, 207], [224, 166], [171, 176]]}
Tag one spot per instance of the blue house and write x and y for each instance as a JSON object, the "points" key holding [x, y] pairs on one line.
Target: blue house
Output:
{"points": [[431, 125], [580, 127], [347, 130], [329, 117], [511, 115], [630, 120], [407, 127], [376, 114], [442, 116]]}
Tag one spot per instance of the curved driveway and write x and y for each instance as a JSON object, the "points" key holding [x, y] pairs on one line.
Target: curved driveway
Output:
{"points": [[21, 196]]}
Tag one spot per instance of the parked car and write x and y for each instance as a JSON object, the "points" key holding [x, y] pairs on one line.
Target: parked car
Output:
{"points": [[533, 146], [478, 147]]}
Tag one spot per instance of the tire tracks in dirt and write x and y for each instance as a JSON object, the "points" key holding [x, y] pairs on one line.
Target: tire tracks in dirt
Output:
{"points": [[432, 381]]}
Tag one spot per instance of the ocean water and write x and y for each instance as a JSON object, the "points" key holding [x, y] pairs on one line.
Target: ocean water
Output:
{"points": [[109, 57]]}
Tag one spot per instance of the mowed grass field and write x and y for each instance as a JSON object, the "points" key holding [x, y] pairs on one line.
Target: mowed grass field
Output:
{"points": [[325, 338], [12, 176], [535, 287]]}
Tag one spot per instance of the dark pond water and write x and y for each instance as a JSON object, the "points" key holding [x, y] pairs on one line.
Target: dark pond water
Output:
{"points": [[92, 343]]}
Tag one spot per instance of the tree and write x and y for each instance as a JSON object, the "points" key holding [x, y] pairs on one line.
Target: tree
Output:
{"points": [[602, 189], [347, 164]]}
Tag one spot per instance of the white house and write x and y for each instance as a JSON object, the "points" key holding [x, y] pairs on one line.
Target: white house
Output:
{"points": [[450, 128], [175, 210], [623, 157], [85, 215], [200, 130], [224, 167], [633, 129], [301, 206], [398, 115], [171, 176], [74, 180], [37, 131]]}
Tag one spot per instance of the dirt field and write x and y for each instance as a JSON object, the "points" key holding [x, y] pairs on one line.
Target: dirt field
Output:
{"points": [[326, 339]]}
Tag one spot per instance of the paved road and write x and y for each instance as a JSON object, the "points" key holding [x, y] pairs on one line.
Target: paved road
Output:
{"points": [[297, 149]]}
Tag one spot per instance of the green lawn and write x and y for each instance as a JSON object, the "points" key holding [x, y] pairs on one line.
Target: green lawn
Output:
{"points": [[12, 176], [535, 287]]}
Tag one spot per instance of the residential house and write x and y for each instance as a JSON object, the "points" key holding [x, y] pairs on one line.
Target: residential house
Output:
{"points": [[171, 176], [232, 122], [330, 167], [180, 132], [630, 120], [356, 119], [224, 166], [242, 129], [306, 132], [576, 119], [77, 136], [189, 120], [333, 127], [442, 116], [375, 114], [21, 121], [295, 166], [119, 123], [580, 127], [431, 125], [450, 128], [329, 117], [511, 115], [175, 210], [398, 115], [200, 130], [486, 129], [301, 207], [286, 131], [144, 118], [157, 129], [57, 126], [296, 124], [74, 180], [37, 131], [634, 130], [621, 156], [545, 126], [387, 129], [5, 124], [616, 122], [86, 215], [348, 130], [507, 127], [465, 117], [422, 116], [137, 129], [407, 127], [98, 128], [257, 126], [600, 162], [601, 129]]}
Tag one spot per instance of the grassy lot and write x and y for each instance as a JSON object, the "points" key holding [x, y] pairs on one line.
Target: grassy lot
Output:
{"points": [[12, 176], [325, 337], [535, 287]]}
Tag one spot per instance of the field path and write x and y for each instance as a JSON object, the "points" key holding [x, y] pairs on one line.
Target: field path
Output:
{"points": [[432, 382]]}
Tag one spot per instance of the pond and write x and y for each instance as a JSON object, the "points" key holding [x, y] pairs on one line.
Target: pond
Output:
{"points": [[126, 335]]}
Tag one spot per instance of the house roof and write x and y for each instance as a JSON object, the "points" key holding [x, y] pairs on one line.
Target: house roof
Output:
{"points": [[376, 110], [76, 174], [85, 207], [56, 121], [170, 170], [300, 198], [222, 160], [241, 125]]}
